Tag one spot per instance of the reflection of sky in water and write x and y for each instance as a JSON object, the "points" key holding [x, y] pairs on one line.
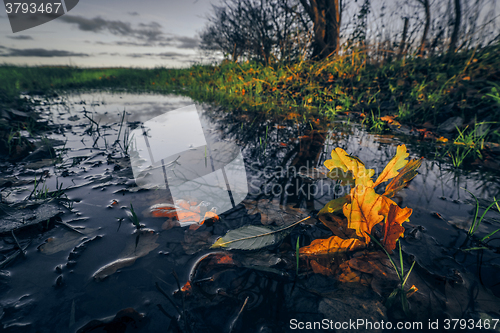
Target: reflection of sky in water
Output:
{"points": [[171, 151], [168, 134]]}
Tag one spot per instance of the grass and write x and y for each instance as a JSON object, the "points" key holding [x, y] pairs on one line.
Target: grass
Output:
{"points": [[475, 222], [134, 218], [416, 89], [43, 192], [402, 279]]}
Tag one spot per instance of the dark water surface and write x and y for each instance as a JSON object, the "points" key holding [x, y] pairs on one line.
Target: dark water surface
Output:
{"points": [[52, 289]]}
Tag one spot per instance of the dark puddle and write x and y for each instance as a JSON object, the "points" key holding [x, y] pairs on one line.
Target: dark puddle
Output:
{"points": [[84, 259]]}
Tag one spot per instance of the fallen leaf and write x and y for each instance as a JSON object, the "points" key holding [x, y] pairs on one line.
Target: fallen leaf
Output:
{"points": [[345, 178], [69, 240], [347, 275], [396, 163], [364, 211], [138, 247], [338, 225], [331, 245], [335, 206], [411, 291], [210, 215], [253, 237], [340, 159], [393, 228], [187, 287], [388, 119], [126, 320], [405, 175], [319, 269]]}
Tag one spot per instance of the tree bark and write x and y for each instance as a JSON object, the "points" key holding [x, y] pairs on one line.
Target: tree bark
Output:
{"points": [[325, 16], [456, 27], [426, 5], [402, 46]]}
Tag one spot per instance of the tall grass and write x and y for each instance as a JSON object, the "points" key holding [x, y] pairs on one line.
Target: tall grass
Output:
{"points": [[415, 89]]}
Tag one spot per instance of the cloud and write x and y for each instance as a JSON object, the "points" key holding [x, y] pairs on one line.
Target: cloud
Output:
{"points": [[145, 34], [150, 32], [165, 55], [181, 42], [38, 52], [187, 42], [133, 13], [20, 37]]}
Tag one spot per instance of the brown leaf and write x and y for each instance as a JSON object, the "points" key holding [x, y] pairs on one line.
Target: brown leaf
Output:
{"points": [[69, 240], [338, 225], [393, 228], [405, 175], [331, 245], [320, 269], [133, 250]]}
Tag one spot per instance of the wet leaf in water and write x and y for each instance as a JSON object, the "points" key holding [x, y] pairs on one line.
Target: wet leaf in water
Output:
{"points": [[405, 175], [340, 159], [396, 163], [249, 237], [271, 211], [126, 320], [320, 269], [365, 210], [253, 237], [135, 248], [335, 206], [28, 216], [393, 228], [345, 177], [331, 245], [69, 240]]}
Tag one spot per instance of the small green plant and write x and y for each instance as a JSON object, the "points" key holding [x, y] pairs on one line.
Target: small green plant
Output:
{"points": [[134, 218], [402, 279], [467, 142], [475, 223], [43, 192], [495, 94]]}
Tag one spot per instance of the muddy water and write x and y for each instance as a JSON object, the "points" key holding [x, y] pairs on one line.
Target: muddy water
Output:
{"points": [[59, 286]]}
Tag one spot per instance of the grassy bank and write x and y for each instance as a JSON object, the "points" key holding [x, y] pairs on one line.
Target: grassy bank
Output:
{"points": [[417, 91]]}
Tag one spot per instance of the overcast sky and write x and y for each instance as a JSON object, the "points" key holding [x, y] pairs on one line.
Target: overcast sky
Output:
{"points": [[111, 33]]}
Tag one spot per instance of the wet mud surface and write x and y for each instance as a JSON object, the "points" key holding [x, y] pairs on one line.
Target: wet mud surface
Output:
{"points": [[72, 258]]}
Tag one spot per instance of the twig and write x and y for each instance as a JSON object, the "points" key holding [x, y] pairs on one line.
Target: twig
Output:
{"points": [[238, 315], [17, 243], [168, 297], [70, 227]]}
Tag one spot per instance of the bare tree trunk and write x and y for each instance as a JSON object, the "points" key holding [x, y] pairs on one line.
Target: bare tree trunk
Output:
{"points": [[402, 46], [325, 16], [426, 5], [456, 27]]}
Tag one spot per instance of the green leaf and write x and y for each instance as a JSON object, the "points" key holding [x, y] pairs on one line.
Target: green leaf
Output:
{"points": [[335, 206], [252, 237]]}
